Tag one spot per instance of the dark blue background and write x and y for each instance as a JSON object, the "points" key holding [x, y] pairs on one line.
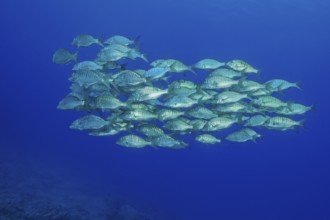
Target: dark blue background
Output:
{"points": [[284, 176]]}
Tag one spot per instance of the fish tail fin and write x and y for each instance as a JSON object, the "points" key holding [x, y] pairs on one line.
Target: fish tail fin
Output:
{"points": [[115, 87], [75, 57], [144, 57], [153, 145], [289, 105], [241, 80], [123, 66], [190, 68], [137, 40], [240, 119], [129, 128], [268, 87], [166, 78], [312, 108], [100, 40], [184, 144], [128, 104], [254, 140], [301, 123], [258, 73], [255, 137], [297, 85]]}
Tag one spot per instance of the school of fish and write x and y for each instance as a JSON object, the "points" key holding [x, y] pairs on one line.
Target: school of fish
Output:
{"points": [[146, 108]]}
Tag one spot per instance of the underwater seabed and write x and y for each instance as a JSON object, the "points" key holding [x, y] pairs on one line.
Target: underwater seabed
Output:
{"points": [[32, 193]]}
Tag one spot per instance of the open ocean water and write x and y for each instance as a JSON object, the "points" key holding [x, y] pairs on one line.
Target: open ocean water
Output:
{"points": [[49, 171]]}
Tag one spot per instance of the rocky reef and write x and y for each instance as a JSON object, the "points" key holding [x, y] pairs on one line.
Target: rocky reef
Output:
{"points": [[37, 195]]}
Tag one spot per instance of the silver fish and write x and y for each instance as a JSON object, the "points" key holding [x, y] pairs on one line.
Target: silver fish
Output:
{"points": [[201, 113], [218, 82], [150, 130], [128, 78], [282, 123], [85, 40], [180, 102], [88, 122], [207, 64], [147, 93], [156, 73], [241, 66], [256, 121], [207, 139], [71, 102], [118, 39], [277, 85], [89, 65], [63, 56], [132, 141], [243, 135], [219, 123], [87, 77], [168, 141], [168, 114], [229, 73]]}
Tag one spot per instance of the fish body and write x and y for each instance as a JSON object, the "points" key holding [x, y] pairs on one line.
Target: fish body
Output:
{"points": [[139, 115], [162, 63], [63, 56], [86, 77], [169, 114], [201, 96], [168, 141], [132, 141], [156, 72], [118, 39], [293, 109], [180, 102], [235, 107], [110, 55], [208, 64], [260, 92], [277, 85], [200, 112], [198, 124], [219, 123], [108, 102], [225, 72], [175, 65], [243, 135], [150, 130], [179, 67], [241, 66], [134, 54], [89, 65], [119, 47], [253, 134], [104, 131], [248, 86], [268, 102], [256, 121], [228, 97], [282, 123], [88, 122], [85, 40], [218, 82], [207, 139], [143, 106], [177, 125], [71, 102], [147, 93], [128, 78]]}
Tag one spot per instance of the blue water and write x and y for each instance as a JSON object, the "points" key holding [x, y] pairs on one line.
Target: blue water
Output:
{"points": [[285, 176]]}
